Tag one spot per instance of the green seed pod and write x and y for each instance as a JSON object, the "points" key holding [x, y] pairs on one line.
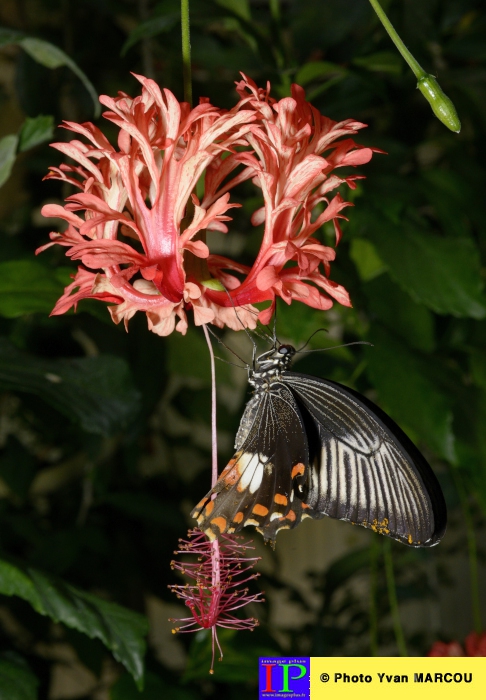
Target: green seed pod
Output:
{"points": [[441, 105]]}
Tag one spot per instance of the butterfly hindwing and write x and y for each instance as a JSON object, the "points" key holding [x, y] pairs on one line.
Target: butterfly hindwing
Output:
{"points": [[259, 485], [363, 467]]}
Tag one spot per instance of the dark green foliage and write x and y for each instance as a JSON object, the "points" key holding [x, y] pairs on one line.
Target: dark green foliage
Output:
{"points": [[105, 436], [121, 630]]}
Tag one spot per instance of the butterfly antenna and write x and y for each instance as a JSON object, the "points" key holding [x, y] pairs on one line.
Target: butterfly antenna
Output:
{"points": [[335, 347], [245, 329], [275, 340], [227, 362], [227, 348], [319, 330]]}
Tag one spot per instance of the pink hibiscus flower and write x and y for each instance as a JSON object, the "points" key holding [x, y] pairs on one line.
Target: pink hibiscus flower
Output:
{"points": [[141, 237]]}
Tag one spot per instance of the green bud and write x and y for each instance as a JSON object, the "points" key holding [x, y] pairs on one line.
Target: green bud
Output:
{"points": [[441, 105], [213, 284]]}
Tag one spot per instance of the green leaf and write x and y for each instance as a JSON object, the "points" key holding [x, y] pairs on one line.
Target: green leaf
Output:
{"points": [[442, 273], [49, 56], [9, 36], [121, 630], [400, 313], [150, 28], [364, 255], [35, 131], [43, 52], [27, 286], [310, 72], [8, 151], [96, 392], [233, 24], [381, 61], [407, 392], [239, 7], [17, 682]]}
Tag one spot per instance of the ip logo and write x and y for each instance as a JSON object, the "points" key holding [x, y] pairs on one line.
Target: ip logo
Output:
{"points": [[284, 677]]}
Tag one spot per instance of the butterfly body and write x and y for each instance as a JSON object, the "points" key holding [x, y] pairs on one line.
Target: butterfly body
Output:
{"points": [[309, 447]]}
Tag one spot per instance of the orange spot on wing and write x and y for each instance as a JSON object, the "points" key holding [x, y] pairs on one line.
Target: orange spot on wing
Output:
{"points": [[239, 517], [209, 508], [290, 516], [220, 523], [260, 510], [280, 499], [229, 475], [297, 470], [304, 506]]}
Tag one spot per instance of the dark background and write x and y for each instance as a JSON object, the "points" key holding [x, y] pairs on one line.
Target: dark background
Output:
{"points": [[99, 471]]}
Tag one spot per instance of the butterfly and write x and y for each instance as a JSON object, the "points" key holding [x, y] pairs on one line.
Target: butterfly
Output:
{"points": [[310, 447]]}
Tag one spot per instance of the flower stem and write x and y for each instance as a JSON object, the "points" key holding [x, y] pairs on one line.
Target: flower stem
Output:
{"points": [[442, 106], [417, 69], [472, 551], [215, 549], [186, 52], [275, 10], [374, 551], [214, 435], [392, 598]]}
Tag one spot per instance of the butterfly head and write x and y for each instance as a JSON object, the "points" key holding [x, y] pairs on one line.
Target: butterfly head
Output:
{"points": [[274, 361]]}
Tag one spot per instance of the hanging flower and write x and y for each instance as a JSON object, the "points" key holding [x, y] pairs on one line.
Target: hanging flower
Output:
{"points": [[139, 246], [140, 236], [219, 572], [293, 153]]}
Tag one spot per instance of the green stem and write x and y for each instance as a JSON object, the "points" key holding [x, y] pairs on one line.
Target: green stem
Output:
{"points": [[275, 10], [442, 106], [472, 551], [417, 69], [392, 598], [186, 52], [374, 551]]}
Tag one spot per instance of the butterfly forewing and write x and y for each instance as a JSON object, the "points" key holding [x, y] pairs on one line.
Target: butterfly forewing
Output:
{"points": [[363, 467], [259, 484]]}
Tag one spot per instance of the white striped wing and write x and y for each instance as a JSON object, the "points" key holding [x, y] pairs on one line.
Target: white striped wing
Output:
{"points": [[363, 468]]}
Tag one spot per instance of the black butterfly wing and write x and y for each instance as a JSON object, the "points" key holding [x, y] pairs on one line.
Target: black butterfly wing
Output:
{"points": [[363, 468], [259, 485]]}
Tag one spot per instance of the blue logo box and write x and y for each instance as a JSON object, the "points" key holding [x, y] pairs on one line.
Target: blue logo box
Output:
{"points": [[284, 677]]}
